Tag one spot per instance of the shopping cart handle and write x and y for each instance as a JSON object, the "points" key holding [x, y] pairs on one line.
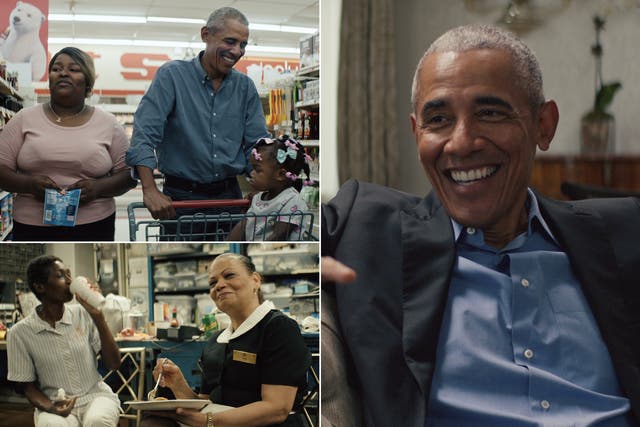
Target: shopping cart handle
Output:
{"points": [[225, 203]]}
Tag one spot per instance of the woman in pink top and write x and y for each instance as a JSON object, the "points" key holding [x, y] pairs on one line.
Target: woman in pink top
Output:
{"points": [[63, 145]]}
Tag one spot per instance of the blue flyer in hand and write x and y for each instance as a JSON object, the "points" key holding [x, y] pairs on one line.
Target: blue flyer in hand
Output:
{"points": [[61, 208]]}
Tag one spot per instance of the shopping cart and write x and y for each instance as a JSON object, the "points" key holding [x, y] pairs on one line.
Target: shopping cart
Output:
{"points": [[206, 227]]}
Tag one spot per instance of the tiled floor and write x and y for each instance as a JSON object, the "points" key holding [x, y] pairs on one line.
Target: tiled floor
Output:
{"points": [[122, 219]]}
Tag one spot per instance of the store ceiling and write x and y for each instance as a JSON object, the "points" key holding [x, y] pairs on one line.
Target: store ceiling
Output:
{"points": [[302, 13]]}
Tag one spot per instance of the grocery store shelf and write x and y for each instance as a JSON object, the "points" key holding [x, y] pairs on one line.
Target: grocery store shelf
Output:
{"points": [[311, 71], [6, 232], [311, 103], [6, 89]]}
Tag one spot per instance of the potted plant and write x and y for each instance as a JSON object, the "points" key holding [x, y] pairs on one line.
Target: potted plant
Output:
{"points": [[598, 126]]}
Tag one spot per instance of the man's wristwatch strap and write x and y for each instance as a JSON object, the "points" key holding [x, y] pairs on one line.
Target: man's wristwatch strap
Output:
{"points": [[210, 419]]}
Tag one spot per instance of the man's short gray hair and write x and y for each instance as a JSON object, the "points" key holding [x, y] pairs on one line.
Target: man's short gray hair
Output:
{"points": [[219, 17], [471, 37]]}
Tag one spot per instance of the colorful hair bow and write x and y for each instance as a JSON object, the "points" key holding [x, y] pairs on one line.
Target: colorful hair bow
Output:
{"points": [[256, 155], [291, 144], [308, 182], [267, 140], [307, 157], [281, 155], [291, 176]]}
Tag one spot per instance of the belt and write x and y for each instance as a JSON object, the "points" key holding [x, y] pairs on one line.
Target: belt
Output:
{"points": [[200, 187]]}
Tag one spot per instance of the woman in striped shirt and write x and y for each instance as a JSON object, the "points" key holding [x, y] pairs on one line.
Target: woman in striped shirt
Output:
{"points": [[55, 347]]}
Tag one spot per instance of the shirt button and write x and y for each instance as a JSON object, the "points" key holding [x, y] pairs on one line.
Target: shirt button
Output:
{"points": [[215, 155], [471, 230], [545, 404], [211, 93], [524, 283], [214, 135], [528, 353], [214, 114]]}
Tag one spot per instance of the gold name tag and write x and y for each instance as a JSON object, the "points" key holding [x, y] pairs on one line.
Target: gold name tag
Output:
{"points": [[243, 356]]}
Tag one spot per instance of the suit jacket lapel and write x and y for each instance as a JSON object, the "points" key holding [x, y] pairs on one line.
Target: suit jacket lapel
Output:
{"points": [[427, 256], [582, 234], [584, 237]]}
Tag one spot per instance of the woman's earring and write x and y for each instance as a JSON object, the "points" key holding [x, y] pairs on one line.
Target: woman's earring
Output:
{"points": [[255, 290]]}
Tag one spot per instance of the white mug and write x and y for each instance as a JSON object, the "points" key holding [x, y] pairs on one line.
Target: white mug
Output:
{"points": [[81, 286]]}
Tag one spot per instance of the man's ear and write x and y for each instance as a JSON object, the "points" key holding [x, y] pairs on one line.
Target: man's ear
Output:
{"points": [[414, 123], [204, 32], [547, 123]]}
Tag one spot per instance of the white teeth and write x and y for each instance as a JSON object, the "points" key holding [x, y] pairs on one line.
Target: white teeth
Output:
{"points": [[473, 174]]}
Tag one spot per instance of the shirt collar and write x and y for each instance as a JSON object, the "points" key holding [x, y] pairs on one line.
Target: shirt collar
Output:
{"points": [[204, 77], [251, 321], [38, 325], [534, 213]]}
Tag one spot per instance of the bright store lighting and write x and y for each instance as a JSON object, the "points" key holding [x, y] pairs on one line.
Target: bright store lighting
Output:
{"points": [[143, 20], [125, 42], [98, 18], [176, 20], [272, 49], [282, 28]]}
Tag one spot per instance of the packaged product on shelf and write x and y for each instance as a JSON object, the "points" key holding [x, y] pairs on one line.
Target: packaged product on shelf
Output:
{"points": [[306, 51], [184, 305]]}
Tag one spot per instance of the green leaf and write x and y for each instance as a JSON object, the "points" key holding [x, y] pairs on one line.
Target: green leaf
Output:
{"points": [[605, 95]]}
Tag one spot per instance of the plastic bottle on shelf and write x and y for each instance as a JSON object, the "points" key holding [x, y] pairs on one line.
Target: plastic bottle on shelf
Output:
{"points": [[174, 318], [307, 127], [301, 126]]}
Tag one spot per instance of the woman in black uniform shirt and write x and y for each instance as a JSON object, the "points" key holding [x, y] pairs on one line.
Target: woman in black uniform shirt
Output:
{"points": [[258, 365]]}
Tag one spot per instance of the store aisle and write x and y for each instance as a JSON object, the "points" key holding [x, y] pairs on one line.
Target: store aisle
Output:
{"points": [[122, 220]]}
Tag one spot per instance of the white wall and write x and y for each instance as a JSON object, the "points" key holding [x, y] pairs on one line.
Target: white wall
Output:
{"points": [[77, 256]]}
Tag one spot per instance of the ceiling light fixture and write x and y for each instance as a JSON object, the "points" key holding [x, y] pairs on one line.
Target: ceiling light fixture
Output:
{"points": [[176, 20], [98, 18], [282, 28], [66, 17]]}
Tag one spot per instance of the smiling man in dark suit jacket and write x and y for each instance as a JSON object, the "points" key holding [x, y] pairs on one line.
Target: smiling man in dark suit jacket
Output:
{"points": [[483, 304]]}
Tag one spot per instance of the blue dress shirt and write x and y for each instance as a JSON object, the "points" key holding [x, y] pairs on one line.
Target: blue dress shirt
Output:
{"points": [[197, 133], [519, 345]]}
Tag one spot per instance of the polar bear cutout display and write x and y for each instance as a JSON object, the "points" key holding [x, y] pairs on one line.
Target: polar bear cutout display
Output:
{"points": [[22, 43]]}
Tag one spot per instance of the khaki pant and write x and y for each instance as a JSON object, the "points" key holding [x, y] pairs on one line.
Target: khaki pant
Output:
{"points": [[101, 412]]}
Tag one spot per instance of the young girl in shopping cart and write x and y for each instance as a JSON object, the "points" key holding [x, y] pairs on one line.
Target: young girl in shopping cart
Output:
{"points": [[277, 211]]}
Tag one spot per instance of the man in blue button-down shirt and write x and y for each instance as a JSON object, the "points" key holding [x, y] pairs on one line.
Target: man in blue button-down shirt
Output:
{"points": [[484, 304], [200, 117]]}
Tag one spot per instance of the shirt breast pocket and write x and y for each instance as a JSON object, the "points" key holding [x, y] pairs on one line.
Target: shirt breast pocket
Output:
{"points": [[233, 126], [566, 299]]}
